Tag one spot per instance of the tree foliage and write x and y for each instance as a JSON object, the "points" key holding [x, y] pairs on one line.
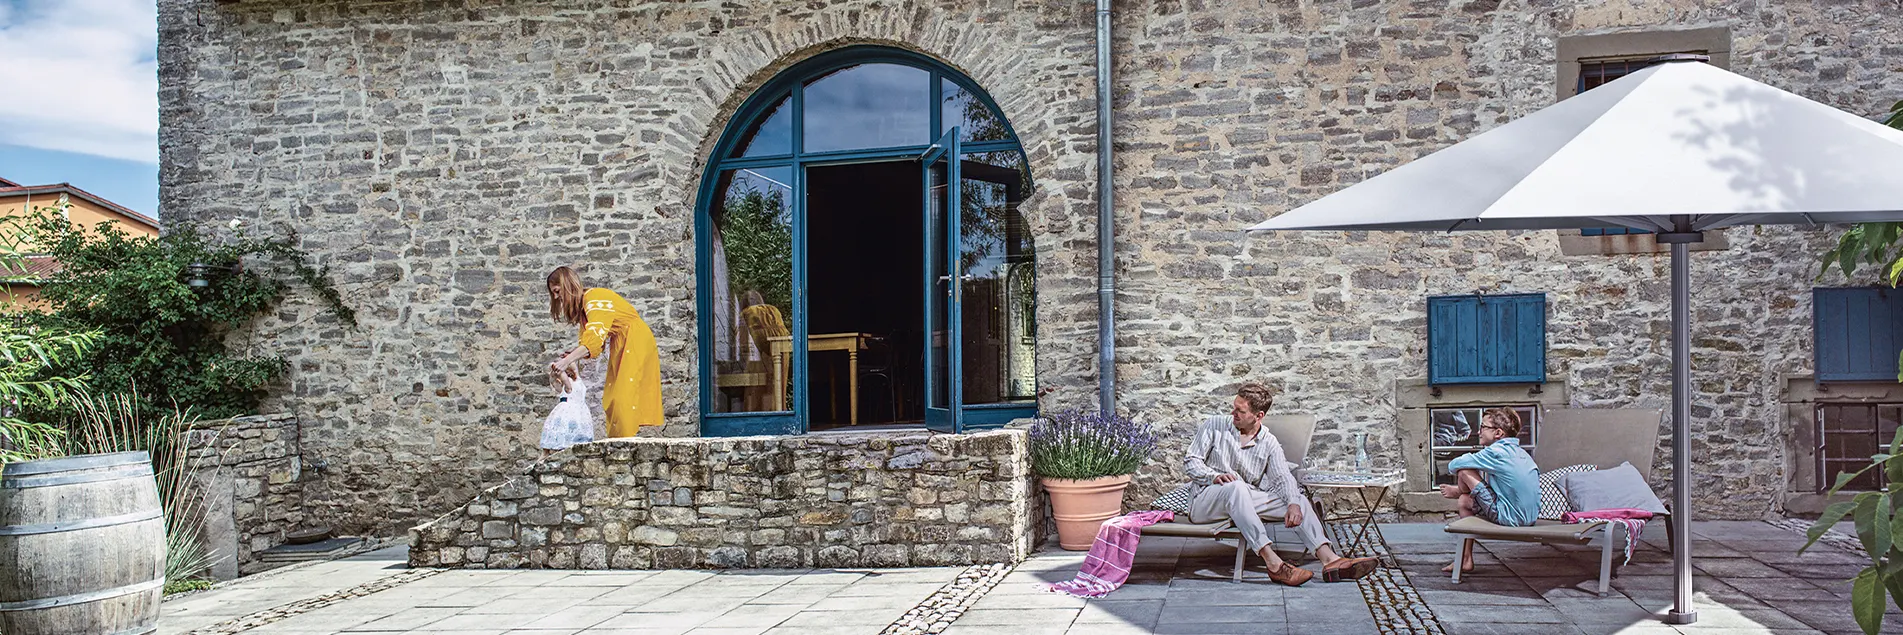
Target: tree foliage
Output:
{"points": [[1880, 528], [758, 238], [34, 364], [160, 336]]}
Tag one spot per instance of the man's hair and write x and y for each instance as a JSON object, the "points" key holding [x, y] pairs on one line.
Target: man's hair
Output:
{"points": [[1507, 418], [1258, 396]]}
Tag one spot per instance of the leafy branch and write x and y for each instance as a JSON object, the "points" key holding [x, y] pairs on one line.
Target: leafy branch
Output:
{"points": [[1880, 528]]}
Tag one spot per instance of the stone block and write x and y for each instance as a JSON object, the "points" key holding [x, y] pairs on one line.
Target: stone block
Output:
{"points": [[517, 489], [648, 535], [546, 515]]}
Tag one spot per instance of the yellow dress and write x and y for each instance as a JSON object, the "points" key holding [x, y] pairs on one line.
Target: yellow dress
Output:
{"points": [[632, 394]]}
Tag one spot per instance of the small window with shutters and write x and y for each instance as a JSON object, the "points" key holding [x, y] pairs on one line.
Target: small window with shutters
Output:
{"points": [[1486, 339], [1857, 333]]}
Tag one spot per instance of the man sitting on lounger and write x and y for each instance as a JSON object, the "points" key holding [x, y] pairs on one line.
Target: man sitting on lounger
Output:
{"points": [[1500, 483], [1239, 473]]}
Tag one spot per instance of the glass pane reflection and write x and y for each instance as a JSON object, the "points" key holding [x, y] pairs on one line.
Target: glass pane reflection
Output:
{"points": [[774, 136], [752, 289], [998, 282], [975, 121], [868, 106]]}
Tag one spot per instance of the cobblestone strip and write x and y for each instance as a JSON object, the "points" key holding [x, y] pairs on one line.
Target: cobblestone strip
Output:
{"points": [[1833, 537], [267, 616], [937, 612], [1398, 609]]}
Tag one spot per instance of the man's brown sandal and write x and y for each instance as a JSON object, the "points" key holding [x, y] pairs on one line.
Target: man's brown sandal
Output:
{"points": [[1348, 569], [1291, 575]]}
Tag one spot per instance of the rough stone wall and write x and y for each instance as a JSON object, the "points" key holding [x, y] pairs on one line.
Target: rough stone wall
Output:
{"points": [[444, 155], [249, 471], [1231, 112], [833, 500]]}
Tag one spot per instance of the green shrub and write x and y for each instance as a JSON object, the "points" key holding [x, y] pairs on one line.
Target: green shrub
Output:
{"points": [[161, 336]]}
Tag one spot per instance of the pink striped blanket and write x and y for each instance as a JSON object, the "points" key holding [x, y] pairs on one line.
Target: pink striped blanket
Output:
{"points": [[1634, 520], [1107, 566]]}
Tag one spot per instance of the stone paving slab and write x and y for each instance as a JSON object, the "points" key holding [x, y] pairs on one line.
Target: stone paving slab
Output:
{"points": [[1751, 581]]}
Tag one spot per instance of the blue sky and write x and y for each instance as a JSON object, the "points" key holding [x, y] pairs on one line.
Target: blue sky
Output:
{"points": [[91, 118]]}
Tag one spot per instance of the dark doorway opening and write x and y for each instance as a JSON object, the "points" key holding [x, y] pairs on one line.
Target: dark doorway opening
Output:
{"points": [[865, 267]]}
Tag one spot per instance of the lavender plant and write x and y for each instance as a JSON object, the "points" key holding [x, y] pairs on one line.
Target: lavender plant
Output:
{"points": [[1073, 444]]}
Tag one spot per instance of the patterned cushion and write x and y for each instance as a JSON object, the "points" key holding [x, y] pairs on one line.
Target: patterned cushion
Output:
{"points": [[1553, 502], [1176, 500]]}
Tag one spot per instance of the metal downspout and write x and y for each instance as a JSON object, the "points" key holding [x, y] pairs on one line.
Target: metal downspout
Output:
{"points": [[1106, 238]]}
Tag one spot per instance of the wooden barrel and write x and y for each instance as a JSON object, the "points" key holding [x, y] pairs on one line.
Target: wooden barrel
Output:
{"points": [[83, 542]]}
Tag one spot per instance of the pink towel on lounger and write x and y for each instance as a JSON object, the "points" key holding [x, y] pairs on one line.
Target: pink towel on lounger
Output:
{"points": [[1634, 520], [1107, 566]]}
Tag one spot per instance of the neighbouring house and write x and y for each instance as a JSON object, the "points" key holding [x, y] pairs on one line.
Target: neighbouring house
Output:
{"points": [[880, 218], [82, 208]]}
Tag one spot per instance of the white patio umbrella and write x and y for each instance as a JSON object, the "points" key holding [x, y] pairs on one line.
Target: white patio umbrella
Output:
{"points": [[1676, 148]]}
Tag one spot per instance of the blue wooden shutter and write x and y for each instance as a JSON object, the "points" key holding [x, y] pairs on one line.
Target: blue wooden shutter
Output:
{"points": [[1486, 339], [1857, 333]]}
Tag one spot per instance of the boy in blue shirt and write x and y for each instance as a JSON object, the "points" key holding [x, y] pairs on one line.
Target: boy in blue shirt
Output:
{"points": [[1500, 483]]}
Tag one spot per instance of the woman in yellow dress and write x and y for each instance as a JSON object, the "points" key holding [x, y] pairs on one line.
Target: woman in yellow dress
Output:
{"points": [[631, 396]]}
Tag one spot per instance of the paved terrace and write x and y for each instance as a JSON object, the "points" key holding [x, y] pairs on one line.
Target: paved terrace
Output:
{"points": [[1751, 581]]}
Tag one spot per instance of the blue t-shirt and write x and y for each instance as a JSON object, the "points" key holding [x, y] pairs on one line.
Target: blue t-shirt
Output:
{"points": [[1512, 476]]}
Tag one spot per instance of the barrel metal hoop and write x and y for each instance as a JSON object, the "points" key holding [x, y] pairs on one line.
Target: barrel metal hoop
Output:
{"points": [[90, 523], [81, 598], [75, 478], [96, 461]]}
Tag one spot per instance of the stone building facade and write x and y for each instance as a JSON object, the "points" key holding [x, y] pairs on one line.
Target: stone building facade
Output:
{"points": [[443, 155]]}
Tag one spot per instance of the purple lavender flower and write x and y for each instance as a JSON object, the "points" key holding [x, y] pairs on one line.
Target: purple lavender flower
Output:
{"points": [[1073, 444]]}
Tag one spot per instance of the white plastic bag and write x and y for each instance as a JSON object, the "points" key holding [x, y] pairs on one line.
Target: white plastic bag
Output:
{"points": [[569, 423]]}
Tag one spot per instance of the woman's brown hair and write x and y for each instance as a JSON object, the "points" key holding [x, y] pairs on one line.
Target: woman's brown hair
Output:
{"points": [[1507, 418], [564, 297]]}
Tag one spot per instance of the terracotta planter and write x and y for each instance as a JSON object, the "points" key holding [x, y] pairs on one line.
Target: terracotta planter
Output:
{"points": [[1081, 506]]}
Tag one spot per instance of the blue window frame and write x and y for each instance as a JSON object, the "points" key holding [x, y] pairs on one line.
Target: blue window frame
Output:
{"points": [[1486, 339], [1857, 333], [857, 105]]}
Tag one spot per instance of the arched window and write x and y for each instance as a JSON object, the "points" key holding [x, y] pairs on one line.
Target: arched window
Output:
{"points": [[834, 289]]}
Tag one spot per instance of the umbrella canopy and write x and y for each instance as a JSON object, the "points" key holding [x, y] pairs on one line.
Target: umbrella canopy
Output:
{"points": [[1676, 148], [1668, 140]]}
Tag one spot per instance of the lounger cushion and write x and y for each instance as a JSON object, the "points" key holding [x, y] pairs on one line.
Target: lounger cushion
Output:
{"points": [[1543, 531], [1176, 500], [1188, 529], [1617, 488], [1553, 503]]}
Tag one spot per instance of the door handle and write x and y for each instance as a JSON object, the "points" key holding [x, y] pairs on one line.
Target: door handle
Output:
{"points": [[964, 278]]}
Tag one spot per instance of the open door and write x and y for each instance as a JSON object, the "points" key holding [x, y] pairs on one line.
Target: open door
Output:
{"points": [[939, 168]]}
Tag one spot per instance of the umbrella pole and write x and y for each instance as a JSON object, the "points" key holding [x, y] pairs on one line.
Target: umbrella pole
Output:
{"points": [[1682, 612]]}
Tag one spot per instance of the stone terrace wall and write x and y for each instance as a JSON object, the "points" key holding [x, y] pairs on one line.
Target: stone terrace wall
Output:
{"points": [[249, 472], [830, 500]]}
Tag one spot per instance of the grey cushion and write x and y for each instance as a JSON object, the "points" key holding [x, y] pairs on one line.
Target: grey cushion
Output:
{"points": [[1619, 487], [1553, 490], [1176, 500]]}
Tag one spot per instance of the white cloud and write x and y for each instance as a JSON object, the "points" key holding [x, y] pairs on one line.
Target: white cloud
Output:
{"points": [[80, 76]]}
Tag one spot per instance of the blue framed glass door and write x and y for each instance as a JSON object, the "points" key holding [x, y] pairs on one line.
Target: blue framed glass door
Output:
{"points": [[939, 169]]}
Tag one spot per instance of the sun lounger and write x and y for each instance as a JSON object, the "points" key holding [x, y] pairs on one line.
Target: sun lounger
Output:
{"points": [[1602, 437], [1294, 433]]}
